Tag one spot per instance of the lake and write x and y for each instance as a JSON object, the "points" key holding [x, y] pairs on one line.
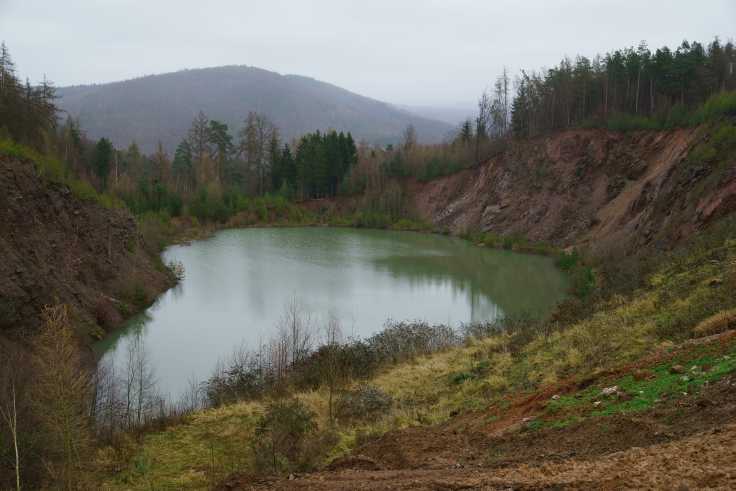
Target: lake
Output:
{"points": [[238, 282]]}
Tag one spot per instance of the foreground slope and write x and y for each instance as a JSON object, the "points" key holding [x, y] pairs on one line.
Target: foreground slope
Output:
{"points": [[58, 246], [161, 107]]}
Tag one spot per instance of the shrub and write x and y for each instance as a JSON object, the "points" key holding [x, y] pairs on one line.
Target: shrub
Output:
{"points": [[372, 220], [407, 224], [83, 190], [460, 377], [156, 230], [46, 166], [282, 435], [177, 269], [479, 330], [678, 117], [138, 296], [363, 403], [401, 341], [583, 281], [718, 106], [724, 140], [567, 261], [629, 122]]}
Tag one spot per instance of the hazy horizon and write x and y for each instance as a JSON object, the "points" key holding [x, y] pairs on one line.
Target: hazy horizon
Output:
{"points": [[419, 53]]}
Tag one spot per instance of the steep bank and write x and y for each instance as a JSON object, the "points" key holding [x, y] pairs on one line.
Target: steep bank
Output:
{"points": [[58, 248], [607, 190]]}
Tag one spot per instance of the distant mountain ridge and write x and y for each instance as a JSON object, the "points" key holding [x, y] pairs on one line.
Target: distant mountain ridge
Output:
{"points": [[161, 107]]}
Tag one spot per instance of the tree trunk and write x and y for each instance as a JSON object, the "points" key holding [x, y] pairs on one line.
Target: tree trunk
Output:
{"points": [[15, 441], [651, 97], [638, 82]]}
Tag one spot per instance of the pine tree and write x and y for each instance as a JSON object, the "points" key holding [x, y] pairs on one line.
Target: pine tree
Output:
{"points": [[102, 160], [182, 167], [288, 169], [222, 146]]}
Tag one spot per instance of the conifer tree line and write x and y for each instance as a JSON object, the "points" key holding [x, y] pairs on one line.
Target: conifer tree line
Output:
{"points": [[663, 85], [27, 112], [258, 162], [211, 167]]}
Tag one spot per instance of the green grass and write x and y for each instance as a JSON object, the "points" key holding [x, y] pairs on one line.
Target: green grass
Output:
{"points": [[646, 393], [193, 455], [46, 166], [717, 108], [53, 169], [509, 242]]}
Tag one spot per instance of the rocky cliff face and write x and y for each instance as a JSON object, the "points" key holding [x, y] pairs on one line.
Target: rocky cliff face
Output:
{"points": [[609, 191], [55, 248]]}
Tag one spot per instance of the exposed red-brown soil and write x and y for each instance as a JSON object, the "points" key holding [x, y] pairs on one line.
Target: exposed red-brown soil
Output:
{"points": [[683, 442], [56, 248], [604, 189], [703, 460]]}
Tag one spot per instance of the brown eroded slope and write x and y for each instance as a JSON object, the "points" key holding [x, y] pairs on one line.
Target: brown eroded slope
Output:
{"points": [[56, 248], [595, 187]]}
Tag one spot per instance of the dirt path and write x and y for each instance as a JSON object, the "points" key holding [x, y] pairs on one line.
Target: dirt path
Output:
{"points": [[704, 460]]}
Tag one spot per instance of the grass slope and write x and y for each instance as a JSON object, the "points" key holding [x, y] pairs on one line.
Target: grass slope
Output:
{"points": [[689, 295]]}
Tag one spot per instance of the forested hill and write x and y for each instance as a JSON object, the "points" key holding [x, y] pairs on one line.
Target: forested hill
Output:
{"points": [[161, 107]]}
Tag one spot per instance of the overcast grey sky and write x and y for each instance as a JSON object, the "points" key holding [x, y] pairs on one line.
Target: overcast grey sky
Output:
{"points": [[425, 52]]}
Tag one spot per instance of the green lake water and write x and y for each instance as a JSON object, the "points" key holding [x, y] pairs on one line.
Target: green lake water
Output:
{"points": [[238, 282]]}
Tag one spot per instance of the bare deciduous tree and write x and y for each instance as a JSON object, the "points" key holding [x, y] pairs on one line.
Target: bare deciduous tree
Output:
{"points": [[256, 140], [482, 121], [9, 402], [61, 395], [332, 372], [139, 383]]}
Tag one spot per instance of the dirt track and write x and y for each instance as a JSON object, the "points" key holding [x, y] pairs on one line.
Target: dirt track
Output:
{"points": [[704, 460]]}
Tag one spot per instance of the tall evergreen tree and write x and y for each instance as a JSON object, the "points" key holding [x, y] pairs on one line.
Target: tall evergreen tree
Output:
{"points": [[222, 146], [182, 167], [102, 160]]}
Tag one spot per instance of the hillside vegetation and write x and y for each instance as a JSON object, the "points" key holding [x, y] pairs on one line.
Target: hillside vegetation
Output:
{"points": [[87, 251]]}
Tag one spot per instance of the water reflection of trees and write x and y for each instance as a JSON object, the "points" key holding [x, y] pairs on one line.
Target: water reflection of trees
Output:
{"points": [[135, 327], [493, 281]]}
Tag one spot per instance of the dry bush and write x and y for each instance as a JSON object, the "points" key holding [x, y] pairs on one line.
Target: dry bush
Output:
{"points": [[281, 439], [717, 323], [366, 402]]}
